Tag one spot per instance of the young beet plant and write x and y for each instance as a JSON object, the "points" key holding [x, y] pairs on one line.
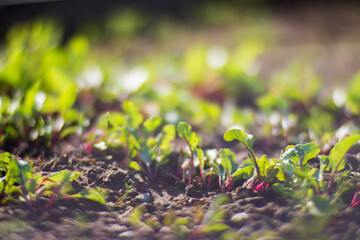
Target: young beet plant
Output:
{"points": [[246, 140], [227, 170], [309, 183], [20, 183], [153, 149], [192, 140], [146, 144]]}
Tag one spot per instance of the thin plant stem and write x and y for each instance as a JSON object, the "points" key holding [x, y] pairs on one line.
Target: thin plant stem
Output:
{"points": [[355, 196], [191, 163], [255, 163]]}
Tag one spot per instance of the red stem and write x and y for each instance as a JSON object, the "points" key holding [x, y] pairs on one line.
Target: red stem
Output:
{"points": [[355, 196]]}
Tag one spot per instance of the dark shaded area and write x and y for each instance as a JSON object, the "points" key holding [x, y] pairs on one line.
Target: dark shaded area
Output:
{"points": [[72, 14]]}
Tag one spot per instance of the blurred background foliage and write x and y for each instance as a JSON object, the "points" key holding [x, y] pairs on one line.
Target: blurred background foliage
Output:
{"points": [[215, 66]]}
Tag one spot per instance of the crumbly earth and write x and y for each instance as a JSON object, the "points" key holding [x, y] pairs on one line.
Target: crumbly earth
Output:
{"points": [[249, 214]]}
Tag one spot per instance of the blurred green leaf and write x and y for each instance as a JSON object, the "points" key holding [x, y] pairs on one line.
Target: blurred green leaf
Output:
{"points": [[134, 116], [151, 125], [134, 165], [93, 194], [67, 99], [216, 227], [63, 176]]}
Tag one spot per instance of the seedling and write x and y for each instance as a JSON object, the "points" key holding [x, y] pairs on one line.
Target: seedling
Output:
{"points": [[246, 140], [192, 140], [226, 171], [20, 183], [153, 149]]}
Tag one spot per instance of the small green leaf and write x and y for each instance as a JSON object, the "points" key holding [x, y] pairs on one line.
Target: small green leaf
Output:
{"points": [[244, 172], [216, 169], [5, 159], [301, 153], [134, 116], [271, 173], [113, 118], [182, 221], [193, 141], [337, 153], [184, 131], [94, 194], [67, 99], [147, 155], [133, 145], [135, 215], [240, 135], [307, 175], [227, 156], [324, 165], [63, 176], [19, 170], [168, 135], [215, 227], [263, 164], [151, 124], [134, 165], [29, 100]]}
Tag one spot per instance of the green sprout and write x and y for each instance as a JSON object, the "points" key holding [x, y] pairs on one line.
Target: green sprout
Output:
{"points": [[192, 140]]}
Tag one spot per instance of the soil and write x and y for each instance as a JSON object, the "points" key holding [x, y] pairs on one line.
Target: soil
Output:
{"points": [[250, 214]]}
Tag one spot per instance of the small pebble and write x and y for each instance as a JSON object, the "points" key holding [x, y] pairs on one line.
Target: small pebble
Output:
{"points": [[165, 229], [239, 218], [287, 229], [146, 230], [117, 228], [270, 238], [144, 197], [246, 230], [127, 234]]}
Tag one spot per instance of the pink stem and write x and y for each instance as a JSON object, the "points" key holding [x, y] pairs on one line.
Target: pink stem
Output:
{"points": [[355, 196]]}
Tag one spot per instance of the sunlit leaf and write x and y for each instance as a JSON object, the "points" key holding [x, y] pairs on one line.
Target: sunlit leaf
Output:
{"points": [[135, 117], [168, 135], [93, 194], [151, 124], [337, 153], [64, 176], [184, 130], [216, 227], [301, 153], [20, 170], [200, 155], [240, 135], [134, 165], [67, 99]]}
